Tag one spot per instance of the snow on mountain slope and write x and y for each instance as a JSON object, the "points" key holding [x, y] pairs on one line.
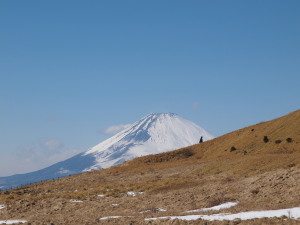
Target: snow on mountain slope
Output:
{"points": [[155, 133]]}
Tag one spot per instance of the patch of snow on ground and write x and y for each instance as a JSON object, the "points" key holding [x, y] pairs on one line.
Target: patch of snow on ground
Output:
{"points": [[161, 210], [12, 221], [101, 195], [146, 211], [217, 207], [133, 194], [2, 206], [154, 210], [76, 201], [293, 213], [114, 204], [112, 217]]}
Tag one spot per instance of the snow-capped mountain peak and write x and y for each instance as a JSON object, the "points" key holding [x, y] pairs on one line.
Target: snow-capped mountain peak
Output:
{"points": [[155, 133]]}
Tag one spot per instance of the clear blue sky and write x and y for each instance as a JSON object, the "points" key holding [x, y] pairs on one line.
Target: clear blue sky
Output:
{"points": [[70, 69]]}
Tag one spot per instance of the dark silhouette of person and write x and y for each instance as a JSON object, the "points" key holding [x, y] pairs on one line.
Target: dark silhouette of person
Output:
{"points": [[201, 140]]}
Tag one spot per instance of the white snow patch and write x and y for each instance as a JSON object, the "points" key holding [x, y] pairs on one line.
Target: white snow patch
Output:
{"points": [[76, 201], [217, 207], [293, 213], [133, 194], [12, 221], [156, 210], [114, 204], [161, 210], [2, 206], [101, 195], [146, 211], [113, 217]]}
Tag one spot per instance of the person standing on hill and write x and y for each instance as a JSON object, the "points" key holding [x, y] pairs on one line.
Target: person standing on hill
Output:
{"points": [[201, 140]]}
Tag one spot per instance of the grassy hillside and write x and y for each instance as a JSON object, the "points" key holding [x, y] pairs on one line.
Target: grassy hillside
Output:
{"points": [[258, 166]]}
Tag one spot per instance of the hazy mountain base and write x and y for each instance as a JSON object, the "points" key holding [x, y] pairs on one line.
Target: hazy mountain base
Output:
{"points": [[259, 175], [71, 166]]}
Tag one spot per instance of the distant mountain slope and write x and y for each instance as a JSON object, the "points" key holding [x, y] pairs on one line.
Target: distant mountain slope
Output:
{"points": [[74, 165], [155, 133]]}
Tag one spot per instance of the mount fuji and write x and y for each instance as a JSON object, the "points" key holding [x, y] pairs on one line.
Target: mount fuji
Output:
{"points": [[155, 133]]}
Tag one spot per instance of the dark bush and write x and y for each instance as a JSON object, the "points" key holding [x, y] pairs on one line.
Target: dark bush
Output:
{"points": [[232, 149], [289, 140], [255, 191], [278, 141], [266, 139]]}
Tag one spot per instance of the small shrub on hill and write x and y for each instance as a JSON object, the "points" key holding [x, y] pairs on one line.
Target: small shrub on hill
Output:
{"points": [[292, 165], [266, 139], [232, 149], [289, 140], [277, 141], [255, 191]]}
